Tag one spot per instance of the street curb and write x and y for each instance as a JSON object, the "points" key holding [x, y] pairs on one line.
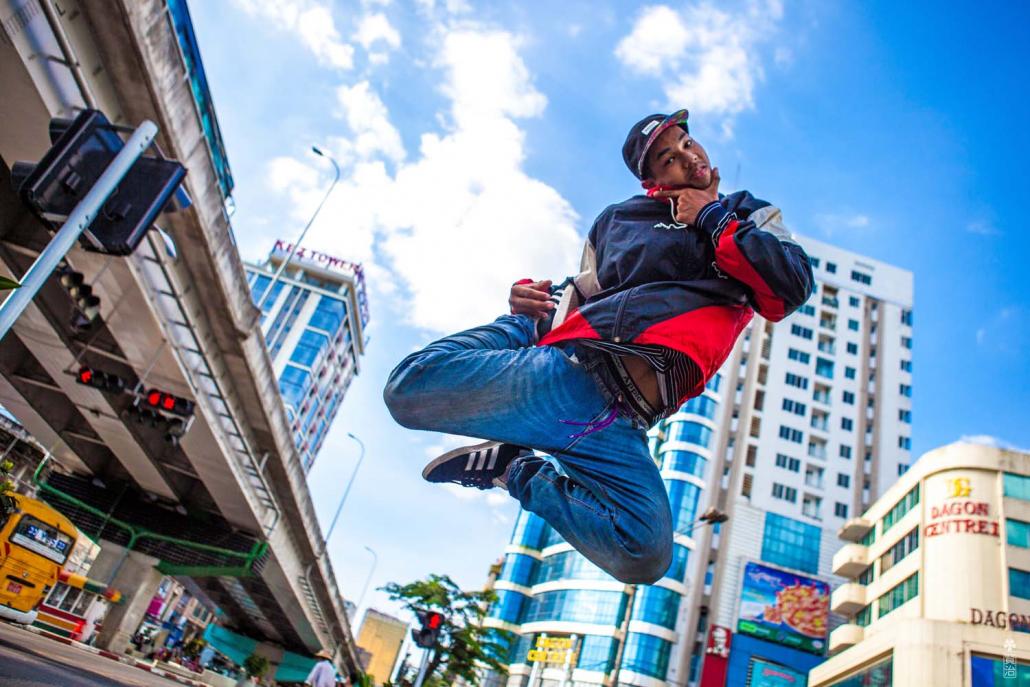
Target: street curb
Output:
{"points": [[127, 660]]}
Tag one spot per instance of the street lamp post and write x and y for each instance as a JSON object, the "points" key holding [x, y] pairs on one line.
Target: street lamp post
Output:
{"points": [[300, 239], [712, 516], [375, 562], [343, 499]]}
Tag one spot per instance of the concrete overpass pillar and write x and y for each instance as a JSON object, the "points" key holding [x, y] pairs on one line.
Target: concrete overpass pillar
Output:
{"points": [[137, 579]]}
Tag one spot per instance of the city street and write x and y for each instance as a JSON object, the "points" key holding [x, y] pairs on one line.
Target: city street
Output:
{"points": [[29, 660]]}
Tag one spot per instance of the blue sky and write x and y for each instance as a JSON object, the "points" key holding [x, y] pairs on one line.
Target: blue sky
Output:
{"points": [[478, 141]]}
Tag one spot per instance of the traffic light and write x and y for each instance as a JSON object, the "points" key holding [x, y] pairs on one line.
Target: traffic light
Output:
{"points": [[82, 149], [105, 381], [429, 633], [159, 400], [81, 293]]}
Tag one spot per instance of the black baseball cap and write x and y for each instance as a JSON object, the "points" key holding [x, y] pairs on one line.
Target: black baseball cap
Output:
{"points": [[643, 134]]}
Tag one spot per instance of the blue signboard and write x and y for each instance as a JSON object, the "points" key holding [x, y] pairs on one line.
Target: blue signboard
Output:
{"points": [[763, 673], [782, 607]]}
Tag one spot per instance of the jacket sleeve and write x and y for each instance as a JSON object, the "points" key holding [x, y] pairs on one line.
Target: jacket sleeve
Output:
{"points": [[762, 254]]}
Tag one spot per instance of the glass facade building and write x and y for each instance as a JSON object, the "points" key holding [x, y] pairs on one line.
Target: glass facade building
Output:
{"points": [[313, 319], [548, 590]]}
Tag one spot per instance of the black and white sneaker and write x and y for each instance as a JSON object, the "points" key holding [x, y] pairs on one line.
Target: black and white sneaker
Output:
{"points": [[481, 466]]}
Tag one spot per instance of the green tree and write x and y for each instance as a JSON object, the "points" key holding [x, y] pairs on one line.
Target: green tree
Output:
{"points": [[464, 646], [256, 666], [7, 504]]}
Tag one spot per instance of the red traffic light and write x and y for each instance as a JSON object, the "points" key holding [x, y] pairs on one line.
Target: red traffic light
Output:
{"points": [[98, 379], [169, 403], [434, 620]]}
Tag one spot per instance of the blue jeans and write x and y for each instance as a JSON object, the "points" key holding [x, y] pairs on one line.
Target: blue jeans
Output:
{"points": [[607, 499]]}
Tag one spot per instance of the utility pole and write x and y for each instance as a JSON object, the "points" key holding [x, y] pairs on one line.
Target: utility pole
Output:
{"points": [[712, 516]]}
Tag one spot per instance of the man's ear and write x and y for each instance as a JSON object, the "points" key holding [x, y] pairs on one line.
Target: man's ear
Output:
{"points": [[648, 184]]}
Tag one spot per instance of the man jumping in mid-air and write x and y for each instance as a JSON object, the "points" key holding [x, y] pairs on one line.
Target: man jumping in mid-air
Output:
{"points": [[668, 282]]}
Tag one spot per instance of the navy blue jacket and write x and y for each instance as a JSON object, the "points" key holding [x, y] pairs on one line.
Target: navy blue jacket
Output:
{"points": [[647, 279]]}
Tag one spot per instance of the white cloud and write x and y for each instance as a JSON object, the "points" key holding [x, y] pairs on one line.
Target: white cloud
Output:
{"points": [[452, 229], [707, 58], [369, 121], [989, 440], [829, 223], [982, 228], [376, 30], [312, 23]]}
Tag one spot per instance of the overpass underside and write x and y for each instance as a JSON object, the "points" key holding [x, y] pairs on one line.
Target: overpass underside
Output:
{"points": [[173, 317]]}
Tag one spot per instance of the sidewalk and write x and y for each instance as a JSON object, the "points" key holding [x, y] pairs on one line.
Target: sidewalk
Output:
{"points": [[127, 660]]}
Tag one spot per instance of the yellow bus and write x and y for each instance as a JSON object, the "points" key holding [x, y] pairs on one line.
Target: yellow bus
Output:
{"points": [[35, 542]]}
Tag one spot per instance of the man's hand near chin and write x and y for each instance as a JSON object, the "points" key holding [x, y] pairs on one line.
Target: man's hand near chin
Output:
{"points": [[690, 201]]}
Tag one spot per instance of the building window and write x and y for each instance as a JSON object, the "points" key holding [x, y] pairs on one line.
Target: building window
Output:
{"points": [[683, 500], [689, 432], [843, 480], [863, 618], [796, 380], [529, 530], [906, 342], [656, 605], [905, 591], [849, 372], [791, 434], [807, 309], [791, 543], [788, 463], [792, 406], [896, 553], [509, 606], [906, 317], [577, 606], [905, 416], [861, 277], [905, 443], [1017, 532], [700, 405], [810, 506], [831, 267], [1019, 583], [785, 493], [907, 502], [824, 367], [845, 451], [684, 461], [995, 671], [853, 325], [800, 356], [905, 390], [803, 332], [847, 424], [906, 365], [328, 315], [647, 655], [519, 569], [814, 260], [1016, 486], [852, 348], [840, 510], [854, 302]]}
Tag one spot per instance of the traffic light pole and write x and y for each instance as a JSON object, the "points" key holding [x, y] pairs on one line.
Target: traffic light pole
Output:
{"points": [[422, 668], [80, 218]]}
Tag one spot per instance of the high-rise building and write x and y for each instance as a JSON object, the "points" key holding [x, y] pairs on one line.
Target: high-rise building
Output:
{"points": [[807, 422], [314, 322], [938, 572], [381, 635]]}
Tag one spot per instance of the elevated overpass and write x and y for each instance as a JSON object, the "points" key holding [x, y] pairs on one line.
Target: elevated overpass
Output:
{"points": [[227, 506]]}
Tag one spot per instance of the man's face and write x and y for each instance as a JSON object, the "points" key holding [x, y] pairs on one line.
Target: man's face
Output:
{"points": [[676, 159]]}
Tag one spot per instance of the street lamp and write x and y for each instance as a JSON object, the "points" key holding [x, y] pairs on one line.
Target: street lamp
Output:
{"points": [[375, 562], [300, 239], [712, 516], [343, 499]]}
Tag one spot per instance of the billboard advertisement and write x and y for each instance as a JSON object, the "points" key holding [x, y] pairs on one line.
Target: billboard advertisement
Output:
{"points": [[764, 673], [782, 607]]}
